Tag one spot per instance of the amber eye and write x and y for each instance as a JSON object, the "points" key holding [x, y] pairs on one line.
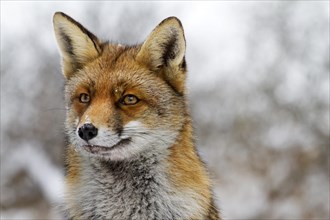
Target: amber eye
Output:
{"points": [[129, 100], [84, 98]]}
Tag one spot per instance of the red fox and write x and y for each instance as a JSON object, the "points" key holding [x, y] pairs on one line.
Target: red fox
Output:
{"points": [[131, 152]]}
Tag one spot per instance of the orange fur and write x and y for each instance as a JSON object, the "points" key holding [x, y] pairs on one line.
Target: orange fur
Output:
{"points": [[186, 169], [74, 166]]}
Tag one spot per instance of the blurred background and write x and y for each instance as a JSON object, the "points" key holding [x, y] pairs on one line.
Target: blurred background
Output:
{"points": [[258, 89]]}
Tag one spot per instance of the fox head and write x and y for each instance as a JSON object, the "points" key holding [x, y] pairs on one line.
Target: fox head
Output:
{"points": [[122, 100]]}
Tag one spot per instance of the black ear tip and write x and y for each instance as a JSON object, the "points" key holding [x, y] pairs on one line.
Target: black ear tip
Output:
{"points": [[172, 19], [59, 14]]}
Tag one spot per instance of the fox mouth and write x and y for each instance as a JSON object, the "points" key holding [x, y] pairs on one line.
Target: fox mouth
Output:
{"points": [[97, 149]]}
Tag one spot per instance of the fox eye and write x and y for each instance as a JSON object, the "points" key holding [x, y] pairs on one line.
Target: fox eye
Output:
{"points": [[84, 98], [129, 100]]}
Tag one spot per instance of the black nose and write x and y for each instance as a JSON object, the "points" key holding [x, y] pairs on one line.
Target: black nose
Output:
{"points": [[87, 132]]}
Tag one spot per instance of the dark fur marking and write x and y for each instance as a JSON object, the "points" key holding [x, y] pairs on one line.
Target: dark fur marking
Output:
{"points": [[118, 55], [213, 213], [160, 112], [118, 121], [131, 214], [170, 48], [177, 93], [183, 65], [119, 130], [84, 30], [68, 42]]}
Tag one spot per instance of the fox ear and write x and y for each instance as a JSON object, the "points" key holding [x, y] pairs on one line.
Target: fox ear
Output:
{"points": [[164, 51], [77, 45]]}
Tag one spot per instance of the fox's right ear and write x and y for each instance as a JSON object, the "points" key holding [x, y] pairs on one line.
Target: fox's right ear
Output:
{"points": [[77, 45]]}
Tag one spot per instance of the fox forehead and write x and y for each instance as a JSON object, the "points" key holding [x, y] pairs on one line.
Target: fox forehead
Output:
{"points": [[116, 69]]}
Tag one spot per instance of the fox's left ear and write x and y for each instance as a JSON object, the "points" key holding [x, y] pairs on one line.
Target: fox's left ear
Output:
{"points": [[164, 52], [77, 45]]}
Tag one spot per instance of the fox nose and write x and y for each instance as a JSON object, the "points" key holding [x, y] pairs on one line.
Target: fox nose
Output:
{"points": [[87, 132]]}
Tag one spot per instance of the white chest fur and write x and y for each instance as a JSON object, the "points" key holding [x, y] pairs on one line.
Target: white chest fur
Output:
{"points": [[138, 189]]}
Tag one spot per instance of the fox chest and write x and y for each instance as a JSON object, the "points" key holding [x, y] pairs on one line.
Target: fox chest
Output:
{"points": [[129, 196], [142, 199]]}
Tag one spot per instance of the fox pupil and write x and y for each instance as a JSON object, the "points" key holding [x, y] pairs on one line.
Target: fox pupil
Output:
{"points": [[84, 98], [130, 100]]}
